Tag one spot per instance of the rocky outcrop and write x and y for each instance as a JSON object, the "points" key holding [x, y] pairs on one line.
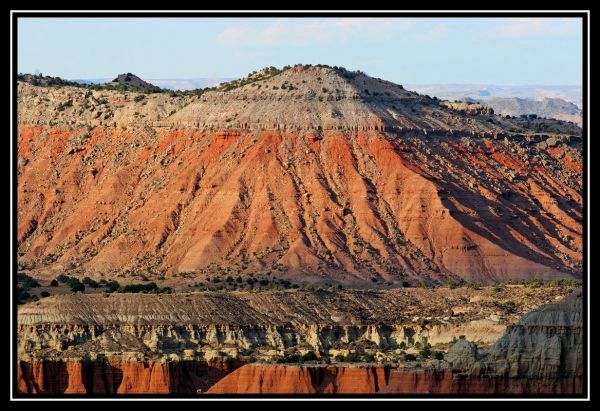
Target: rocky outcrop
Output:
{"points": [[278, 379], [203, 326], [115, 376], [544, 349], [131, 81], [540, 354], [94, 344], [126, 343]]}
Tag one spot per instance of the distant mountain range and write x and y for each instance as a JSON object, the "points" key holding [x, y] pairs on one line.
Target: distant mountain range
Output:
{"points": [[547, 107], [558, 102], [571, 94]]}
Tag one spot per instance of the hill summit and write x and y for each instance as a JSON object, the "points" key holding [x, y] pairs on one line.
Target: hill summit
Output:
{"points": [[131, 81]]}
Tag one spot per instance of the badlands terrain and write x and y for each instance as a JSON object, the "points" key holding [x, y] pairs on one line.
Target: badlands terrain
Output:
{"points": [[314, 174], [310, 225], [304, 342]]}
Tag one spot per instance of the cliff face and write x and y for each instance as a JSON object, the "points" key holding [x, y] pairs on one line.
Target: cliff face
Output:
{"points": [[200, 325], [540, 354], [183, 343], [115, 376], [343, 178]]}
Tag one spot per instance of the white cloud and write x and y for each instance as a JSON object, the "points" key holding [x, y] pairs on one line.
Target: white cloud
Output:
{"points": [[516, 27], [234, 34], [301, 32]]}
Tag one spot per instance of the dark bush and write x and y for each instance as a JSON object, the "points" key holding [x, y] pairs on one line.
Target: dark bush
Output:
{"points": [[92, 283], [352, 357], [77, 286], [368, 358], [45, 294], [22, 295], [53, 283], [112, 286], [309, 356], [149, 288], [27, 281]]}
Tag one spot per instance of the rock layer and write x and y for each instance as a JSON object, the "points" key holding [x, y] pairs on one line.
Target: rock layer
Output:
{"points": [[196, 325], [367, 195], [542, 354], [114, 376], [103, 351]]}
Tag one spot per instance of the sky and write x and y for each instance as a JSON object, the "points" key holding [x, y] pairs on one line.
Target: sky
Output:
{"points": [[503, 51]]}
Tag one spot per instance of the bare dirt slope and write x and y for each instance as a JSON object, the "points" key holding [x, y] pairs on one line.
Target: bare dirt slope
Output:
{"points": [[313, 175]]}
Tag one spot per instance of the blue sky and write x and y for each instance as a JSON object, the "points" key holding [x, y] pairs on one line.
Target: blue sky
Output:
{"points": [[546, 51]]}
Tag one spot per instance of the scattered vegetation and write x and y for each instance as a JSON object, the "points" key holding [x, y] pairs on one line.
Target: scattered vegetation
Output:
{"points": [[26, 281], [409, 357], [355, 357], [309, 356]]}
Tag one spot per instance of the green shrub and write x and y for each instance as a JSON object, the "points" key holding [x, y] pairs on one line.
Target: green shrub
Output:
{"points": [[92, 283], [309, 356], [77, 286], [22, 295], [409, 357], [474, 287], [45, 294], [112, 286], [368, 358], [53, 283], [425, 352], [352, 357], [27, 281], [438, 355], [536, 283]]}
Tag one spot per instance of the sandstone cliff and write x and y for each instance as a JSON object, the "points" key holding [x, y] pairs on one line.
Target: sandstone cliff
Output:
{"points": [[113, 375], [540, 354], [186, 342]]}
